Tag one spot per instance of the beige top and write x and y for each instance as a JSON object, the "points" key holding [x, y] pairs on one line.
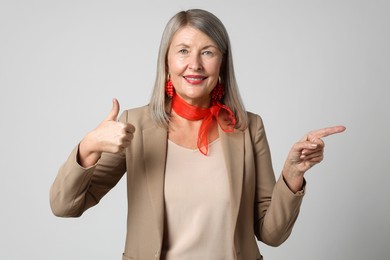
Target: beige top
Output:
{"points": [[197, 205]]}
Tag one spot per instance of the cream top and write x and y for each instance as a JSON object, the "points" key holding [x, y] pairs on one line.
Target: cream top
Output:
{"points": [[197, 205]]}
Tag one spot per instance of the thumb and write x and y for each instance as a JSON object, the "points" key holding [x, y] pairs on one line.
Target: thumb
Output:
{"points": [[113, 115]]}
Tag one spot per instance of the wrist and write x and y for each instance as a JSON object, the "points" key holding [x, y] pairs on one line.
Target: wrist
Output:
{"points": [[293, 179], [88, 154]]}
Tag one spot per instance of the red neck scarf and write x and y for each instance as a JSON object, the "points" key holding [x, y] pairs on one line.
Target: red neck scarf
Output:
{"points": [[208, 115]]}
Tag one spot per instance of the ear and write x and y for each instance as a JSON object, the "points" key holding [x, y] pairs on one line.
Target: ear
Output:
{"points": [[167, 72]]}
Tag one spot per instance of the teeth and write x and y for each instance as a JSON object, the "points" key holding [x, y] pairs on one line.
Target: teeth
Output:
{"points": [[194, 78]]}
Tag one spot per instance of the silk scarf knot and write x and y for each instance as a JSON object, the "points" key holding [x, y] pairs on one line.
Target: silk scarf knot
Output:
{"points": [[209, 115]]}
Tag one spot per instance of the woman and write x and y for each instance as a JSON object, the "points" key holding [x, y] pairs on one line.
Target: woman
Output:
{"points": [[199, 174]]}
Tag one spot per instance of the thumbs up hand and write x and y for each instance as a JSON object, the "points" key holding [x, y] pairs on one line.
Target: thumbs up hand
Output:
{"points": [[109, 136]]}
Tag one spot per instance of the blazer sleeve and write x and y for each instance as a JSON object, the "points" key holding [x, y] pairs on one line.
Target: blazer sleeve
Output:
{"points": [[276, 206], [75, 189]]}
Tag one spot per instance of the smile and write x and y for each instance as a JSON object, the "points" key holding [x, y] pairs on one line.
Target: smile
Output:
{"points": [[194, 79]]}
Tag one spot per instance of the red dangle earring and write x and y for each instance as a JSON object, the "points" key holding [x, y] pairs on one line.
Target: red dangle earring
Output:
{"points": [[218, 91], [169, 87]]}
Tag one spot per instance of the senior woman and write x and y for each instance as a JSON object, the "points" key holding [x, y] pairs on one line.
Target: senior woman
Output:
{"points": [[199, 175]]}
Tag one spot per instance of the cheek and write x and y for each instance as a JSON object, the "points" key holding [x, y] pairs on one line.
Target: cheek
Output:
{"points": [[215, 67], [175, 65]]}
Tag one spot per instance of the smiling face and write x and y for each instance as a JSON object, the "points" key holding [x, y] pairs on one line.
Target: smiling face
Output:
{"points": [[194, 62]]}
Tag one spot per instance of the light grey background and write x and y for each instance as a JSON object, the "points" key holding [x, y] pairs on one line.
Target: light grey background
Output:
{"points": [[301, 65]]}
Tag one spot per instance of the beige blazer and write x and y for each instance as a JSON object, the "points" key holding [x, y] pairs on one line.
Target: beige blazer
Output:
{"points": [[261, 206]]}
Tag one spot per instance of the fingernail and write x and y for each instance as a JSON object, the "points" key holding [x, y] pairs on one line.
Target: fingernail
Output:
{"points": [[313, 145]]}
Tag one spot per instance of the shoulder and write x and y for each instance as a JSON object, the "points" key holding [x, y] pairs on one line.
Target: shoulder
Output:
{"points": [[256, 131], [252, 116], [139, 116], [138, 111], [254, 121]]}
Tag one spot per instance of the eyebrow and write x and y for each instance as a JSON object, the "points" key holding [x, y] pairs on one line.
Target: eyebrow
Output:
{"points": [[211, 46], [205, 47], [182, 45]]}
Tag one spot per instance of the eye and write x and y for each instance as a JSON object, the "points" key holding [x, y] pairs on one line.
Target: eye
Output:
{"points": [[207, 53], [183, 51]]}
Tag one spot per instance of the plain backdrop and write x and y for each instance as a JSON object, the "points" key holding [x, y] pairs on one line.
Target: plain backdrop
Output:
{"points": [[301, 65]]}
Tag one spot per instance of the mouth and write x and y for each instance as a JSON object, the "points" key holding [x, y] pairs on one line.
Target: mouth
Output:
{"points": [[194, 79]]}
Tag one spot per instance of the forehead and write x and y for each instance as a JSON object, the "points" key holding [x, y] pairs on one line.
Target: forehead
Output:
{"points": [[191, 36]]}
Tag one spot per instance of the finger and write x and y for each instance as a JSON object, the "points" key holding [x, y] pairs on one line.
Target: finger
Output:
{"points": [[129, 128], [118, 150], [318, 155], [302, 146], [307, 152], [126, 143], [127, 138], [312, 162], [320, 146], [324, 132], [310, 145], [113, 115]]}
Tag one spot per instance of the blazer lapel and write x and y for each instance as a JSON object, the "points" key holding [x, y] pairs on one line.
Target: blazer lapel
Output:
{"points": [[155, 149], [233, 148]]}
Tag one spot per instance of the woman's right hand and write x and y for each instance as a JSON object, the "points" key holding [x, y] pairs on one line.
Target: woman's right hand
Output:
{"points": [[109, 136]]}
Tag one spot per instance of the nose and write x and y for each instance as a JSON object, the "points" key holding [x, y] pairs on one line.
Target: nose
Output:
{"points": [[195, 63]]}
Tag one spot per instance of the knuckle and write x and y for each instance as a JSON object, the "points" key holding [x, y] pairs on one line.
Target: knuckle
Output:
{"points": [[122, 125], [131, 128], [297, 146]]}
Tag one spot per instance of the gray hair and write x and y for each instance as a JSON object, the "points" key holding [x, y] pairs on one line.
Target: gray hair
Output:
{"points": [[210, 25]]}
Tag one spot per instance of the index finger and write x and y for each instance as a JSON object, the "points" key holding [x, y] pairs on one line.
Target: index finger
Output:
{"points": [[324, 132]]}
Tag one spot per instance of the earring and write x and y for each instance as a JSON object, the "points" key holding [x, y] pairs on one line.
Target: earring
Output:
{"points": [[218, 91], [169, 88]]}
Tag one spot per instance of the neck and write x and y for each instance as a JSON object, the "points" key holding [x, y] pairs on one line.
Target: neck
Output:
{"points": [[178, 120], [188, 111], [203, 102]]}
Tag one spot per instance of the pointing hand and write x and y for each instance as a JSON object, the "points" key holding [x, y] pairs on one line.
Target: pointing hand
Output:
{"points": [[306, 153]]}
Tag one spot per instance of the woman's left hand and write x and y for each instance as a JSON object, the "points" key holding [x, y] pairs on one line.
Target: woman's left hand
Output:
{"points": [[305, 154]]}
